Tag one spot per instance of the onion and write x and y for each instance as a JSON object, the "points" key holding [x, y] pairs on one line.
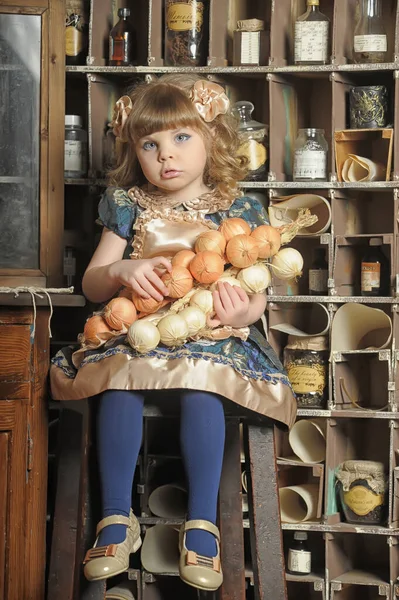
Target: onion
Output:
{"points": [[242, 251], [207, 267], [214, 241], [183, 258], [231, 280], [146, 305], [195, 319], [234, 226], [94, 330], [203, 300], [143, 336], [179, 282], [269, 240], [255, 279], [119, 313], [287, 264], [173, 330]]}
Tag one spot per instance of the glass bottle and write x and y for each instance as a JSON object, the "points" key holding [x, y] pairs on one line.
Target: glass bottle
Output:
{"points": [[76, 32], [370, 41], [306, 363], [75, 147], [310, 159], [374, 279], [186, 32], [312, 36], [299, 556], [122, 41], [318, 274], [253, 138]]}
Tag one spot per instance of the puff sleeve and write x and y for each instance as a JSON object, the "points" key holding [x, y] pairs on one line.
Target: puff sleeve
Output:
{"points": [[247, 208], [117, 212]]}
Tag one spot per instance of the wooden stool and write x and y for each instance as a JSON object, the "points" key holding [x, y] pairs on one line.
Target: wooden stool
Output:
{"points": [[74, 525]]}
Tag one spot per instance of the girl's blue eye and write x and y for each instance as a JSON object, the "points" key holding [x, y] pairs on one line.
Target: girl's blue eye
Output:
{"points": [[182, 137], [148, 145]]}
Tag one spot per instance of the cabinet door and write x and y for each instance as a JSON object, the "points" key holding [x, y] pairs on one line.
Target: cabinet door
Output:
{"points": [[31, 152], [13, 470]]}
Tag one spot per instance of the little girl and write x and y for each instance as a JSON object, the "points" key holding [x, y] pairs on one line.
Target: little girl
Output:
{"points": [[180, 144]]}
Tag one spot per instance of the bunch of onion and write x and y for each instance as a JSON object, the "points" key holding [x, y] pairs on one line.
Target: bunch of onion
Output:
{"points": [[269, 240], [179, 282], [242, 251], [120, 313], [195, 319], [211, 241], [234, 226], [287, 264], [182, 258], [206, 267], [254, 279], [173, 330], [143, 336], [96, 330]]}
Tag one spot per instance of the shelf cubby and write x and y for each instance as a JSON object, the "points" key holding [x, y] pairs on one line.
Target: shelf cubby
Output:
{"points": [[363, 213], [298, 590], [364, 591], [316, 545]]}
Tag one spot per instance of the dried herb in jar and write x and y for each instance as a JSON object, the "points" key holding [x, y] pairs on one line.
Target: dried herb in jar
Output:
{"points": [[186, 32], [306, 362]]}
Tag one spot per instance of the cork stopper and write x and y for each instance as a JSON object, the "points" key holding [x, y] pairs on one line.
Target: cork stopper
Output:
{"points": [[250, 25], [317, 342]]}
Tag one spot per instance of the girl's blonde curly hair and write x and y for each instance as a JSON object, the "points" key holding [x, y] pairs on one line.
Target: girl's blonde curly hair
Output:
{"points": [[166, 104]]}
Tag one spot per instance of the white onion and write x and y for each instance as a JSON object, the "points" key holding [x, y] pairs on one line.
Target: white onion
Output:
{"points": [[287, 264], [173, 330], [203, 300], [231, 280], [195, 319], [143, 336], [254, 279]]}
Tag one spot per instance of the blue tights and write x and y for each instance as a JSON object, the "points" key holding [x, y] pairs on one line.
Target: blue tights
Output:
{"points": [[202, 434]]}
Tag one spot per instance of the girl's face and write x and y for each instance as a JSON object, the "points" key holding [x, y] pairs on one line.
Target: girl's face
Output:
{"points": [[174, 161]]}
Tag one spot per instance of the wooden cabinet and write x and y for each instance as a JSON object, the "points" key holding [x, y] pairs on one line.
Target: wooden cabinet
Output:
{"points": [[31, 146], [23, 452]]}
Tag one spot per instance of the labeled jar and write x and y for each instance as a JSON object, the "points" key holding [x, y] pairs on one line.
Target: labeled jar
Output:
{"points": [[75, 148], [374, 270], [253, 141], [186, 32], [362, 490], [299, 560], [250, 43], [310, 157], [306, 363], [76, 32], [368, 106]]}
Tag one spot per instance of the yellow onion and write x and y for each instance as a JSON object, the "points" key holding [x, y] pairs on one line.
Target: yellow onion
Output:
{"points": [[143, 336], [254, 279], [242, 251], [95, 330], [269, 240], [195, 319], [146, 305], [213, 241], [234, 226], [173, 330], [207, 267], [287, 264], [183, 258], [119, 313], [203, 300], [179, 282]]}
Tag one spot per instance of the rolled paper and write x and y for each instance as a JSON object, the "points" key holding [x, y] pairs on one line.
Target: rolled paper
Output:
{"points": [[298, 503], [359, 327], [283, 211], [168, 501], [359, 168], [307, 439], [292, 321], [244, 503], [160, 551], [244, 481]]}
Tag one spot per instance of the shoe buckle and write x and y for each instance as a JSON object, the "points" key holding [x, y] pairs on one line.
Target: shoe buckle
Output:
{"points": [[100, 552], [194, 559]]}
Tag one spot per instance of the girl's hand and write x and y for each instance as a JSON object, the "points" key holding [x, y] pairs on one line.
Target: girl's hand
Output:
{"points": [[141, 275], [231, 306]]}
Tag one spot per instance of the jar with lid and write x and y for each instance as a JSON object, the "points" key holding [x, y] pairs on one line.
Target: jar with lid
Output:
{"points": [[186, 32], [306, 363], [75, 148], [299, 561], [362, 489], [253, 140], [310, 158]]}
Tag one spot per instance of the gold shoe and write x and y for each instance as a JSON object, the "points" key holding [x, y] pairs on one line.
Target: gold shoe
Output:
{"points": [[102, 562], [201, 572]]}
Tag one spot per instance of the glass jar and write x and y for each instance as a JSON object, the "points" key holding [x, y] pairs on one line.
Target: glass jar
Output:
{"points": [[310, 159], [75, 148], [306, 363], [253, 138], [186, 32], [362, 488]]}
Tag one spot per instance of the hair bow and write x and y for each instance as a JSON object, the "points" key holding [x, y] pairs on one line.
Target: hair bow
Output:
{"points": [[122, 110], [209, 99]]}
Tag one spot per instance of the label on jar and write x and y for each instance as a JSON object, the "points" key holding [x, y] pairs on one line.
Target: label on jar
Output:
{"points": [[370, 276], [250, 48], [361, 501], [370, 43], [318, 279], [306, 379], [184, 16], [255, 152], [311, 41], [310, 164], [299, 561], [73, 41], [75, 156]]}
